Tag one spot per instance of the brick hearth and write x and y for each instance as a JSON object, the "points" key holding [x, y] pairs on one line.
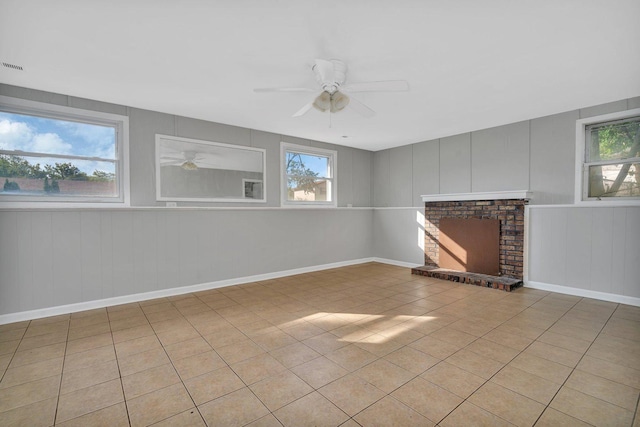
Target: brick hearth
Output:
{"points": [[510, 212], [503, 283]]}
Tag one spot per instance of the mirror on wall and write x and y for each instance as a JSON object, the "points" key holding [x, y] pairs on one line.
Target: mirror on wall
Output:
{"points": [[204, 171]]}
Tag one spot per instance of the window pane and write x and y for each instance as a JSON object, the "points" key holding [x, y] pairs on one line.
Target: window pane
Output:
{"points": [[318, 190], [53, 136], [40, 176], [307, 165], [621, 180], [614, 141]]}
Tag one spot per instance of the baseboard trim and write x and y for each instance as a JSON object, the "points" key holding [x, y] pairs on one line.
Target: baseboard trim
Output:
{"points": [[125, 299], [605, 296], [395, 262]]}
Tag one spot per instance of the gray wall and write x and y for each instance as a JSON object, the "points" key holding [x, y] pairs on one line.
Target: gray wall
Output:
{"points": [[536, 155], [354, 165], [57, 257], [204, 182], [567, 245], [590, 248]]}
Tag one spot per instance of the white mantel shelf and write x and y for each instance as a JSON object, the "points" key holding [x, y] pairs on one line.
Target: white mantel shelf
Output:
{"points": [[493, 195]]}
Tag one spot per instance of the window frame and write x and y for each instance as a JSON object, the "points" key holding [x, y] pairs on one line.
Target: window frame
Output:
{"points": [[61, 112], [332, 155], [582, 165]]}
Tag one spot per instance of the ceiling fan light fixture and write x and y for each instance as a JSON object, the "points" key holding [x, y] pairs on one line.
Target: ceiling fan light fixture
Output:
{"points": [[338, 102], [189, 166], [322, 102]]}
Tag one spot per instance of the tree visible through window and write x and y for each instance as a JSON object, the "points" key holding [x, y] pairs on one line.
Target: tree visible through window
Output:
{"points": [[46, 157], [612, 166], [308, 175]]}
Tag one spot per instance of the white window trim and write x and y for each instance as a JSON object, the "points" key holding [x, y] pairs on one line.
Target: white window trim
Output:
{"points": [[121, 123], [580, 160], [313, 151]]}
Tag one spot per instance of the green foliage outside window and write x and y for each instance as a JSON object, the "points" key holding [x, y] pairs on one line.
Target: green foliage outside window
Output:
{"points": [[614, 151]]}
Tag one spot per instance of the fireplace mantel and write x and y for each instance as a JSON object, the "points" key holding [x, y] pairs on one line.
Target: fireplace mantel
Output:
{"points": [[493, 195]]}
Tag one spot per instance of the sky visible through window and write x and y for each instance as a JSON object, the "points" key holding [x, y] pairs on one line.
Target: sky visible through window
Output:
{"points": [[315, 164], [46, 135]]}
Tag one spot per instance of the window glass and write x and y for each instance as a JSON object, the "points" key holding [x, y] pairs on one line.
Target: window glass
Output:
{"points": [[58, 158], [612, 167], [308, 175], [613, 141]]}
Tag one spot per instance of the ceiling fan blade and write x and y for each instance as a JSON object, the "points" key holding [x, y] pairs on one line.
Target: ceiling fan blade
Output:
{"points": [[283, 89], [360, 108], [172, 158], [172, 162], [304, 110], [379, 86]]}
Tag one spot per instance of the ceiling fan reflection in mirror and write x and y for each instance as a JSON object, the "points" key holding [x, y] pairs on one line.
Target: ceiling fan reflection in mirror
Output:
{"points": [[187, 160], [335, 93]]}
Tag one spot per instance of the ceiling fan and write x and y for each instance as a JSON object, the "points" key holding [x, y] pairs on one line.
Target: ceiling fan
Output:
{"points": [[335, 94], [187, 160]]}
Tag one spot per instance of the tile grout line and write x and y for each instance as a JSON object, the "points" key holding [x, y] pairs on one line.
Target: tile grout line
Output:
{"points": [[124, 396], [64, 359]]}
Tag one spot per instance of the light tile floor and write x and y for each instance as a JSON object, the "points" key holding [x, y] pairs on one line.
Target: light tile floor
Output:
{"points": [[367, 345]]}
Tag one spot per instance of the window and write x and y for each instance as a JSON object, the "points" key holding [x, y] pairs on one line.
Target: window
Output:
{"points": [[609, 153], [51, 153], [308, 176]]}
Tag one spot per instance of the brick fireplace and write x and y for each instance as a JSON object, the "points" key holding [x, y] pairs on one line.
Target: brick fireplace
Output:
{"points": [[507, 207]]}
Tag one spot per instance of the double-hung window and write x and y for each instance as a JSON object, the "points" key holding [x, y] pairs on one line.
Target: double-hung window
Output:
{"points": [[610, 157], [308, 176], [61, 155]]}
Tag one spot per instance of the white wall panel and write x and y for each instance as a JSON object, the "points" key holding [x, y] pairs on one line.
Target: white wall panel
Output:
{"points": [[618, 248], [210, 131], [24, 249], [67, 255], [9, 290], [106, 255], [144, 251], [271, 143], [123, 265], [578, 246], [500, 158], [591, 248], [168, 241], [91, 255], [345, 176], [455, 164], [381, 178], [80, 256], [601, 257], [548, 245], [553, 151], [143, 127], [426, 170], [362, 179], [632, 253], [597, 110], [399, 234], [401, 176], [43, 246]]}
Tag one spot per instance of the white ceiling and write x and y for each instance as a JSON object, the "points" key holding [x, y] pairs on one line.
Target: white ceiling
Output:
{"points": [[470, 64]]}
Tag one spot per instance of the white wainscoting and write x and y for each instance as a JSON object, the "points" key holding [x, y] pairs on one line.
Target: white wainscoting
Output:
{"points": [[59, 258], [585, 251]]}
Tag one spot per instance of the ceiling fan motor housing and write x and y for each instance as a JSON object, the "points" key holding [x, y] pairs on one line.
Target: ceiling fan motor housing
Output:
{"points": [[330, 74]]}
